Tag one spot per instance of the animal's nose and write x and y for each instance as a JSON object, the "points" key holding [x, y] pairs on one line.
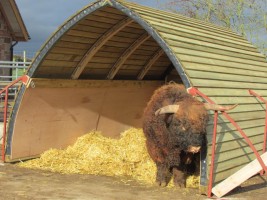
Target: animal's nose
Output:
{"points": [[194, 149]]}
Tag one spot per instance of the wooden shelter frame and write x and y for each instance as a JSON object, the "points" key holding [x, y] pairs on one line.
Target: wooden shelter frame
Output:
{"points": [[150, 62], [98, 44], [115, 68]]}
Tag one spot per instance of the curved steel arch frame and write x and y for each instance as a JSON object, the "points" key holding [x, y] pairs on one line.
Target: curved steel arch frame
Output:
{"points": [[70, 23]]}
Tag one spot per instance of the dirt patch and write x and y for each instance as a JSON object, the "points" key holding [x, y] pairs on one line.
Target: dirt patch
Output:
{"points": [[22, 184]]}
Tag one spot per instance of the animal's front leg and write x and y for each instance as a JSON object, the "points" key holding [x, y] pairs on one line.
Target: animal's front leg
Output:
{"points": [[179, 177], [163, 174]]}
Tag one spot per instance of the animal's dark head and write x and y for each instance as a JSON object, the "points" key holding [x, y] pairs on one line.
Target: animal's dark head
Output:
{"points": [[187, 120]]}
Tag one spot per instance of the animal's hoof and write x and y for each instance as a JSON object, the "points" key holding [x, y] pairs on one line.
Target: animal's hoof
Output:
{"points": [[179, 184], [161, 183]]}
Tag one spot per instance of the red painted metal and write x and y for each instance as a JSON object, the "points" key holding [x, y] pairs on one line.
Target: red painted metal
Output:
{"points": [[248, 141], [194, 91], [4, 127], [25, 80], [251, 92]]}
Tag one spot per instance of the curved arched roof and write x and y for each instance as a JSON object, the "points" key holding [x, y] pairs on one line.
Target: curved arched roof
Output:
{"points": [[120, 40]]}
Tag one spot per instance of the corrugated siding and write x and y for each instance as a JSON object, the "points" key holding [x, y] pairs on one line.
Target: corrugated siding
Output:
{"points": [[223, 65]]}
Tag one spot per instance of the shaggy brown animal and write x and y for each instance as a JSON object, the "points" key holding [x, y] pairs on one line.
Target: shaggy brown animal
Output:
{"points": [[173, 137]]}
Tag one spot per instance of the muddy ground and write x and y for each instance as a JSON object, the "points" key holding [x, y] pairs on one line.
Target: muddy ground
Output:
{"points": [[24, 184]]}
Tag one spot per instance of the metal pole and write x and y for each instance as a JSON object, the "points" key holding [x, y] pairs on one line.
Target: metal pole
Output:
{"points": [[25, 80], [213, 153], [4, 128], [24, 56], [251, 92], [265, 131], [265, 137]]}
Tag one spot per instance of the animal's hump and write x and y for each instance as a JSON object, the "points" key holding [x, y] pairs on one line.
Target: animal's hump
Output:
{"points": [[172, 89]]}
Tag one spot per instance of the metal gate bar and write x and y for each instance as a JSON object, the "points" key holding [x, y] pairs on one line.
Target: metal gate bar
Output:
{"points": [[251, 92], [25, 80]]}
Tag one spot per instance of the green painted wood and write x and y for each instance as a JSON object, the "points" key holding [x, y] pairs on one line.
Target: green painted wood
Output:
{"points": [[224, 63], [158, 22], [234, 162], [237, 100], [225, 126], [221, 83], [222, 121], [250, 127], [212, 47], [216, 56], [179, 18], [241, 116], [201, 37], [226, 77], [238, 153], [221, 69], [198, 39], [232, 140], [230, 92], [236, 144]]}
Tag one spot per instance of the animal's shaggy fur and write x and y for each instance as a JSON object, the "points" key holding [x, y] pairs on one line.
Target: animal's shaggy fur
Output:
{"points": [[168, 136]]}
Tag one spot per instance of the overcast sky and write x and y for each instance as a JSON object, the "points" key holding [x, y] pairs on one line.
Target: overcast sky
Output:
{"points": [[43, 17]]}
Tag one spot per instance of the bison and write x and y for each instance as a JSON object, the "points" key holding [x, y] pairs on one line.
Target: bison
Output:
{"points": [[174, 125]]}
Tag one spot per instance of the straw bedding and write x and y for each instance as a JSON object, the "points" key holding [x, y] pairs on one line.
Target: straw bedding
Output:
{"points": [[95, 154]]}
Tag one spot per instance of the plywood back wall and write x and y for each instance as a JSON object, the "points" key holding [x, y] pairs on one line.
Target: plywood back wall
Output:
{"points": [[53, 117]]}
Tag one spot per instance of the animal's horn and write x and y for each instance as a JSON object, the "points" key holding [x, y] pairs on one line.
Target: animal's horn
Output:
{"points": [[167, 109], [209, 106]]}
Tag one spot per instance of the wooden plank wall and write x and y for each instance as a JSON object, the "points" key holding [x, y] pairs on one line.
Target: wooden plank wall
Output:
{"points": [[223, 65]]}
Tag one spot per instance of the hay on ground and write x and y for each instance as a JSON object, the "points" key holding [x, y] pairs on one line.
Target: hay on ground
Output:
{"points": [[95, 154]]}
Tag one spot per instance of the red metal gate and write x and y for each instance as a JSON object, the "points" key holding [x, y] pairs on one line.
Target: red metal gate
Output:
{"points": [[25, 80], [194, 91]]}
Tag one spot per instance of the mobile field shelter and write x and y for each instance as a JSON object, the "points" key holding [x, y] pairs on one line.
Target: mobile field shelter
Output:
{"points": [[98, 70]]}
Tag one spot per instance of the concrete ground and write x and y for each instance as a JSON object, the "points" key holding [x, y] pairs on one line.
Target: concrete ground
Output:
{"points": [[25, 184]]}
